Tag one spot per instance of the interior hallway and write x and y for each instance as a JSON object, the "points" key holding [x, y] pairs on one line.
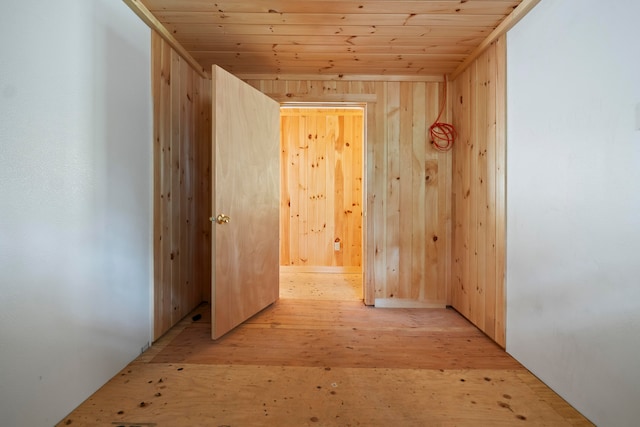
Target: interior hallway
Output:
{"points": [[318, 356]]}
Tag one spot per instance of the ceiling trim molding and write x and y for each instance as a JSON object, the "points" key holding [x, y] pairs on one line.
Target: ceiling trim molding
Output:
{"points": [[508, 23], [324, 98], [148, 18], [341, 77]]}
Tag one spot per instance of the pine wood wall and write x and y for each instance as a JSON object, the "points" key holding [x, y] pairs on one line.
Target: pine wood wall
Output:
{"points": [[478, 257], [182, 192], [321, 179], [408, 185]]}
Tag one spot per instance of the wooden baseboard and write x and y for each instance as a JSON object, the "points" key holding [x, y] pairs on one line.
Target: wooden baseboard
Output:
{"points": [[319, 269], [407, 303]]}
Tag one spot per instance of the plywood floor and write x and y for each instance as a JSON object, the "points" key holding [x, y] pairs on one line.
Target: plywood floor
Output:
{"points": [[319, 357]]}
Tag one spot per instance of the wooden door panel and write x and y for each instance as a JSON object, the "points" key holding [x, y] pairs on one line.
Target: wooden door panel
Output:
{"points": [[246, 159]]}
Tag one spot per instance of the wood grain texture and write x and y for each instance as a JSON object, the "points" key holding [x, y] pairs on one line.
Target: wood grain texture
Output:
{"points": [[385, 38], [478, 192], [320, 286], [343, 335], [322, 147], [182, 138], [407, 231], [327, 362], [246, 176]]}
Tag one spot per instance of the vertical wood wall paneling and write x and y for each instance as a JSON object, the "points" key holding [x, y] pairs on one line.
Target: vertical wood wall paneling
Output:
{"points": [[159, 89], [354, 154], [444, 204], [432, 177], [501, 188], [204, 193], [162, 317], [185, 189], [342, 174], [174, 190], [409, 187], [419, 201], [392, 214], [182, 189], [321, 177], [377, 216], [288, 220], [405, 194], [478, 186], [490, 194]]}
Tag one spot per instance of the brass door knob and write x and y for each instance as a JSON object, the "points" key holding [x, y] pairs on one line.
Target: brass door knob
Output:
{"points": [[222, 219]]}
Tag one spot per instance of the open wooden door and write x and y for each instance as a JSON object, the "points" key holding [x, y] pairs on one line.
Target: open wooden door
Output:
{"points": [[246, 201]]}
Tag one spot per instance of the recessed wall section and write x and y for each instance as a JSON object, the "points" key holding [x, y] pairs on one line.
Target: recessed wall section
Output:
{"points": [[321, 178], [182, 186], [478, 257], [407, 202]]}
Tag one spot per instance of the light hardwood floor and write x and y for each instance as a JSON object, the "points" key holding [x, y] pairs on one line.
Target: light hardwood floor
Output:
{"points": [[319, 357]]}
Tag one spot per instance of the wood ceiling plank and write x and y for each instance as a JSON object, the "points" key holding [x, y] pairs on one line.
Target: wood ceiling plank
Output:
{"points": [[435, 46], [382, 69], [387, 67], [366, 19], [334, 36], [193, 39], [262, 67], [335, 58], [258, 68], [335, 6], [206, 30], [341, 77]]}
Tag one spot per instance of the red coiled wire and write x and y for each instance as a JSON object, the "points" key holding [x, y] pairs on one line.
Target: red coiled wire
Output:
{"points": [[442, 134]]}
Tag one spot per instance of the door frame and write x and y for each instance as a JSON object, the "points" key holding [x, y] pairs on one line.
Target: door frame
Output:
{"points": [[368, 290]]}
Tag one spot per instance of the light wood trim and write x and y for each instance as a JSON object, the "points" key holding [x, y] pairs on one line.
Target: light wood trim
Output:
{"points": [[341, 77], [308, 110], [508, 23], [148, 18], [407, 303], [338, 97]]}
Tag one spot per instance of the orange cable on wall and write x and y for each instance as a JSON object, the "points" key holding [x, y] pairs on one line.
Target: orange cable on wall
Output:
{"points": [[442, 134]]}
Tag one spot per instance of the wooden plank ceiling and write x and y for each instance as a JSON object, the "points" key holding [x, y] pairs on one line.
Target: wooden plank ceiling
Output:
{"points": [[341, 38]]}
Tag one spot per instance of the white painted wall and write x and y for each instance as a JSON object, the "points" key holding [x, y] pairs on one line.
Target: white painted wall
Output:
{"points": [[573, 208], [75, 202]]}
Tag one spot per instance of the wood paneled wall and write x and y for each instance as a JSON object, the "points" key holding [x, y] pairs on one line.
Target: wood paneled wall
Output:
{"points": [[321, 180], [182, 190], [407, 182], [479, 114]]}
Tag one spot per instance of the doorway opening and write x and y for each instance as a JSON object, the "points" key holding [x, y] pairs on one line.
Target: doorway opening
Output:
{"points": [[322, 181]]}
